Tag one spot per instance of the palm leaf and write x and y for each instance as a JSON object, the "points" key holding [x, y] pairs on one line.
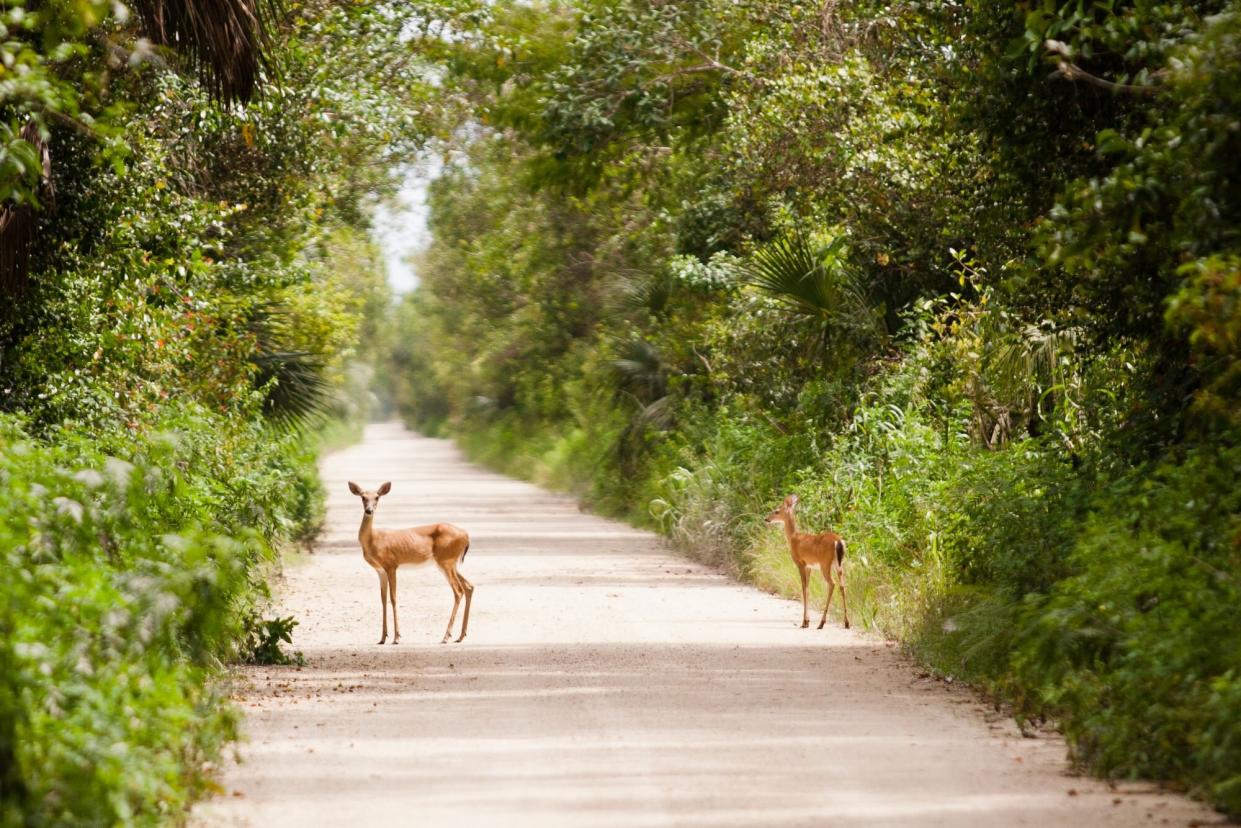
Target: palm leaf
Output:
{"points": [[294, 384], [1026, 364], [296, 390], [226, 42], [639, 371], [810, 281], [815, 282], [650, 294]]}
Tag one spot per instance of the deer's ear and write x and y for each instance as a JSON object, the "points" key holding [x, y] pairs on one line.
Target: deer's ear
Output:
{"points": [[384, 489], [353, 487], [791, 501]]}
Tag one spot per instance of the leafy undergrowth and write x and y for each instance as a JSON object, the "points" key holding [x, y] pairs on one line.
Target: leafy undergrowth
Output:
{"points": [[132, 567]]}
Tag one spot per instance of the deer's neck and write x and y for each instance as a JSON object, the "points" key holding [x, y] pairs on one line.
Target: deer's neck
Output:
{"points": [[790, 528], [364, 533]]}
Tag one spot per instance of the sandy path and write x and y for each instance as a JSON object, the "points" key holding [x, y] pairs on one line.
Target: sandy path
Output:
{"points": [[606, 682]]}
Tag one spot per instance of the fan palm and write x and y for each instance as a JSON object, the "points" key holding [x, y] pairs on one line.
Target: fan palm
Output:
{"points": [[646, 294], [293, 382], [640, 372], [1032, 369], [815, 282], [226, 42]]}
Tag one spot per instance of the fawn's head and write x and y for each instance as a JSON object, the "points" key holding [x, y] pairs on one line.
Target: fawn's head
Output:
{"points": [[784, 510], [369, 499]]}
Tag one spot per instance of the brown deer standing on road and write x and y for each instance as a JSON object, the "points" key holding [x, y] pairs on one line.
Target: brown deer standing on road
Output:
{"points": [[824, 551], [387, 549]]}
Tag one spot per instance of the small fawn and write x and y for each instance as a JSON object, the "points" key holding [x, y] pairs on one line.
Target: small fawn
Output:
{"points": [[824, 551], [387, 549]]}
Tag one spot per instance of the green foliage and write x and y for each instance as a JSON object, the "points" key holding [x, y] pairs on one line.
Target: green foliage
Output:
{"points": [[264, 637], [1139, 648], [131, 572]]}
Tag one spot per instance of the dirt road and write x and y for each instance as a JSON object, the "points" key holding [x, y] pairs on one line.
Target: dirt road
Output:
{"points": [[606, 682]]}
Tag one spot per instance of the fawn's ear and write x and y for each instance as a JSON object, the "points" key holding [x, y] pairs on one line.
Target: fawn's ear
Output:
{"points": [[353, 487], [791, 501], [384, 489]]}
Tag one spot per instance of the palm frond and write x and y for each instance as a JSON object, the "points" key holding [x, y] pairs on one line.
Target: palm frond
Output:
{"points": [[1025, 364], [226, 42], [646, 293], [294, 383], [791, 270], [809, 280], [818, 283], [640, 372], [658, 416], [296, 390]]}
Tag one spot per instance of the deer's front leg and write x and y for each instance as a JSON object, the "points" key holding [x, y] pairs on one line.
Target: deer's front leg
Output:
{"points": [[383, 604], [396, 625]]}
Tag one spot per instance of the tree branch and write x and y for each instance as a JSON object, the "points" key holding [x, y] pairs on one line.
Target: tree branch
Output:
{"points": [[1067, 69]]}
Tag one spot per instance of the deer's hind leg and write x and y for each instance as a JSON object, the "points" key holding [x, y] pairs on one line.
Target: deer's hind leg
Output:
{"points": [[831, 588], [469, 596], [840, 579], [453, 581]]}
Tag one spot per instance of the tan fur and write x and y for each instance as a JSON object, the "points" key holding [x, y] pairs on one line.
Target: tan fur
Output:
{"points": [[387, 549], [810, 551]]}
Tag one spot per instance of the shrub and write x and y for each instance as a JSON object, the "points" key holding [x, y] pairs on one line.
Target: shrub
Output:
{"points": [[1139, 650], [129, 575]]}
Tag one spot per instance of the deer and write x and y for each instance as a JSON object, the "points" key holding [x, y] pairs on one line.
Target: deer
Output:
{"points": [[387, 549], [824, 551]]}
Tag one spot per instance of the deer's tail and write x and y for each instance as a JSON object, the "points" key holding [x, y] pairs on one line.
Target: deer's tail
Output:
{"points": [[840, 552], [467, 550]]}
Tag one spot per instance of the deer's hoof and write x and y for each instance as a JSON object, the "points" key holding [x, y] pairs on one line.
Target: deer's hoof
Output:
{"points": [[819, 627], [805, 624], [380, 641], [462, 638], [846, 625]]}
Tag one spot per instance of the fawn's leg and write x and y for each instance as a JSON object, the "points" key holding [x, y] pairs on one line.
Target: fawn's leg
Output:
{"points": [[831, 588], [840, 576]]}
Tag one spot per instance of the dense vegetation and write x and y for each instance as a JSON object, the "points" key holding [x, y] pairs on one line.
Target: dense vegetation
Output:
{"points": [[186, 274], [966, 276]]}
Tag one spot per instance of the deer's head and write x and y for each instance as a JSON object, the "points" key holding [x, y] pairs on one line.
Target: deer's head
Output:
{"points": [[369, 499], [784, 511]]}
